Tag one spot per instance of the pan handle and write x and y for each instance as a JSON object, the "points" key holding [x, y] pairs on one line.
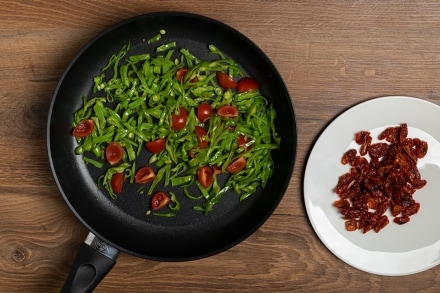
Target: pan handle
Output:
{"points": [[94, 260]]}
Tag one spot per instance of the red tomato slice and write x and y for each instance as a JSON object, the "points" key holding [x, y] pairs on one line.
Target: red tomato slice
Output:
{"points": [[227, 111], [225, 81], [191, 154], [247, 84], [113, 153], [217, 170], [159, 200], [204, 112], [156, 146], [84, 128], [178, 120], [194, 79], [144, 175], [201, 133], [236, 165], [117, 182], [180, 74], [242, 141], [205, 176]]}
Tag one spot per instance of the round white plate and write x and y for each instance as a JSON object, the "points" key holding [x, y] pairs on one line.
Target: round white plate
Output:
{"points": [[396, 249]]}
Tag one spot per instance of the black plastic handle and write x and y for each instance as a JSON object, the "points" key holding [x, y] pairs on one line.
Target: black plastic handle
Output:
{"points": [[90, 267]]}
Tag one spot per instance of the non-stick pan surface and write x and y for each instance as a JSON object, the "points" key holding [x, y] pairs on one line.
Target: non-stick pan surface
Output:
{"points": [[123, 223]]}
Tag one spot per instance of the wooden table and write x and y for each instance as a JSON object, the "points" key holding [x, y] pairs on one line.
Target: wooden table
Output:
{"points": [[331, 57]]}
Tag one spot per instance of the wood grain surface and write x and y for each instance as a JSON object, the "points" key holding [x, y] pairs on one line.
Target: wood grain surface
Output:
{"points": [[332, 55]]}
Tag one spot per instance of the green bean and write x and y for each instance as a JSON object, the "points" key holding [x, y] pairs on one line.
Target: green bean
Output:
{"points": [[181, 180], [93, 162], [157, 37], [166, 47], [176, 206], [166, 215]]}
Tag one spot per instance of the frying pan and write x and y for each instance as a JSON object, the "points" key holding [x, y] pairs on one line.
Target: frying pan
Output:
{"points": [[121, 225]]}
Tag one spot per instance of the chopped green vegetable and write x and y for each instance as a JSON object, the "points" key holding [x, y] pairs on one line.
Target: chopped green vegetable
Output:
{"points": [[157, 37], [134, 101]]}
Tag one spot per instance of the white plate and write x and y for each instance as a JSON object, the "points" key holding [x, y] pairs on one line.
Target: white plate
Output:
{"points": [[396, 249]]}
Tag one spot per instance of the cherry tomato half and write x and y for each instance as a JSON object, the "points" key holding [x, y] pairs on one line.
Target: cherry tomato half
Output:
{"points": [[178, 120], [191, 154], [216, 169], [144, 175], [204, 112], [84, 128], [117, 182], [247, 84], [205, 176], [159, 200], [156, 146], [201, 133], [113, 153], [227, 111], [180, 74], [243, 140], [236, 165], [194, 79], [225, 81]]}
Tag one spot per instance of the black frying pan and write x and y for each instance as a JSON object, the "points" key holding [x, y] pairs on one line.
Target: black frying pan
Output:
{"points": [[121, 225]]}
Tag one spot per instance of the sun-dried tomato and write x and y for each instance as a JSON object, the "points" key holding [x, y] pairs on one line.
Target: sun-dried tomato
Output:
{"points": [[348, 156], [387, 181], [422, 149], [351, 225], [363, 150], [383, 221], [378, 150], [362, 136], [401, 220]]}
